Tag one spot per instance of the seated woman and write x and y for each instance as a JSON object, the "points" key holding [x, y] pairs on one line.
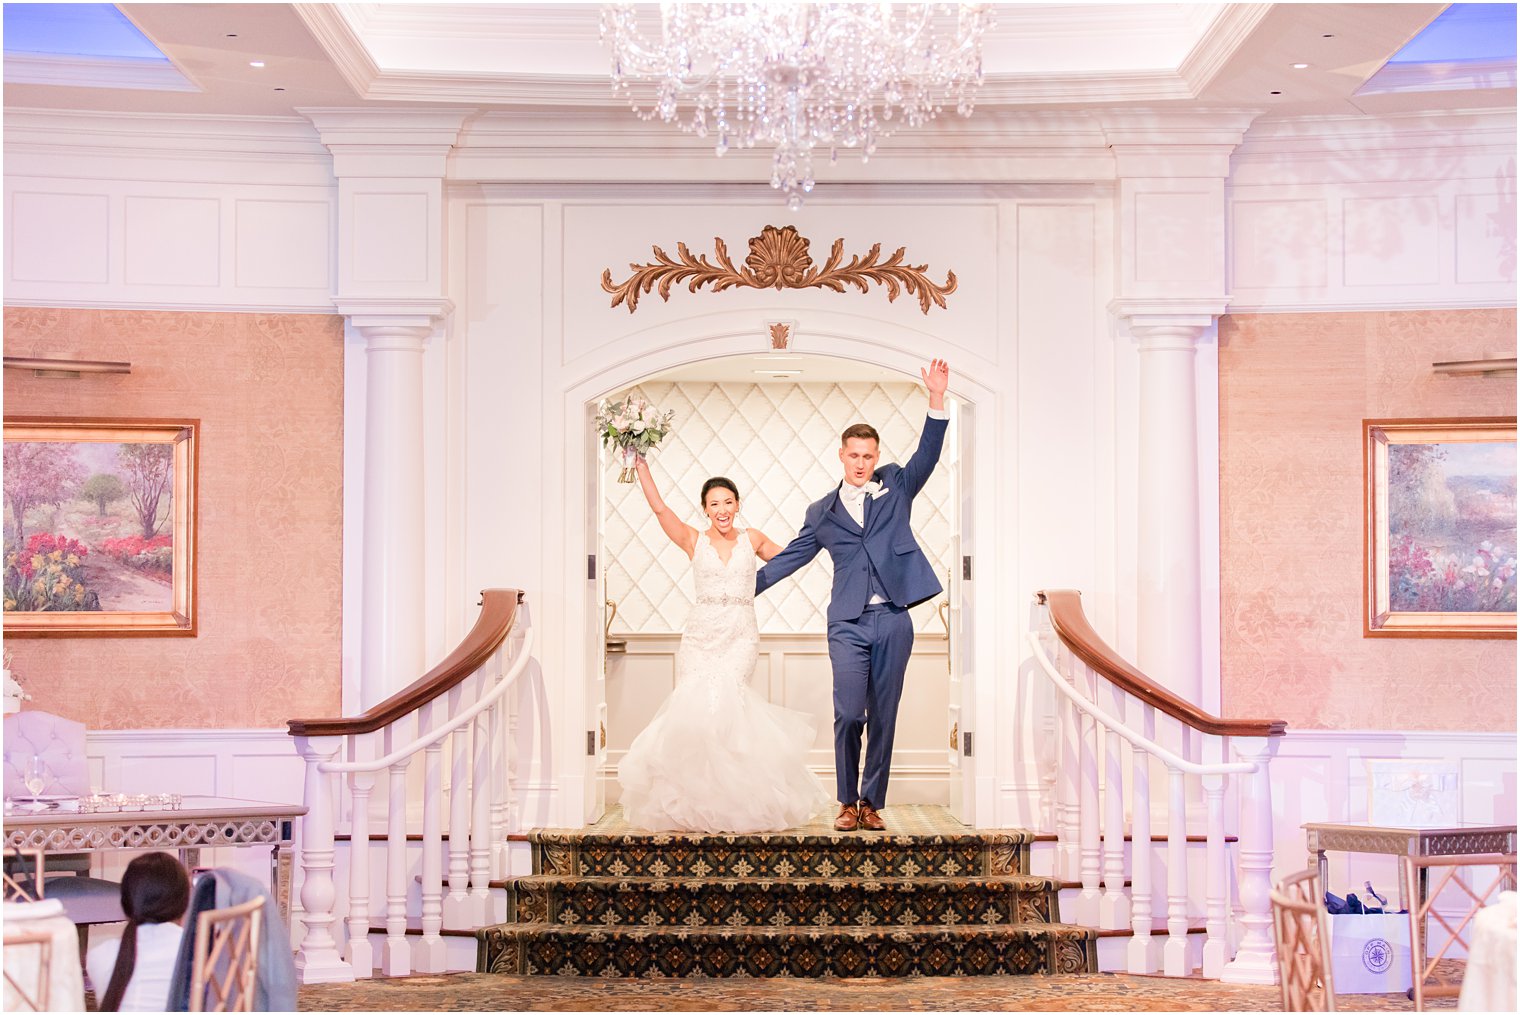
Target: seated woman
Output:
{"points": [[135, 971]]}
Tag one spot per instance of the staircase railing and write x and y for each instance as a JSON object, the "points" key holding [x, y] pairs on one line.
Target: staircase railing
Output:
{"points": [[1102, 740], [460, 703]]}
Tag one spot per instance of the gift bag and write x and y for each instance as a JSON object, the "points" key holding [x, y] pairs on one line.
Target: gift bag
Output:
{"points": [[1369, 953]]}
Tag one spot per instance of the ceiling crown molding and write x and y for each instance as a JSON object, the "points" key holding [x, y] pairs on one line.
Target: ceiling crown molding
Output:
{"points": [[1231, 28]]}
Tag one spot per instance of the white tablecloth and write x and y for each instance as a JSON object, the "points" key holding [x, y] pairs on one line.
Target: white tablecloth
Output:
{"points": [[66, 986], [1488, 984]]}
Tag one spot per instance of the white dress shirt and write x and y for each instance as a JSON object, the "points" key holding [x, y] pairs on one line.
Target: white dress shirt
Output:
{"points": [[157, 949]]}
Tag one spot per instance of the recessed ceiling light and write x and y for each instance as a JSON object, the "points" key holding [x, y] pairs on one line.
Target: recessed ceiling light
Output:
{"points": [[1300, 66], [779, 373], [279, 89], [255, 63], [1328, 35], [232, 35], [1274, 92]]}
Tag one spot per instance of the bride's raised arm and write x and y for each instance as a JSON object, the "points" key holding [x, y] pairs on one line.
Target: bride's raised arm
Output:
{"points": [[680, 533]]}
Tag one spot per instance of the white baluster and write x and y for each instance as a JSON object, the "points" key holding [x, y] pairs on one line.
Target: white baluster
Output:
{"points": [[1068, 805], [1216, 945], [1174, 956], [430, 953], [456, 914], [397, 960], [318, 960], [480, 811], [1114, 910], [1047, 707], [361, 953], [1088, 901], [500, 782], [1142, 946], [1255, 959]]}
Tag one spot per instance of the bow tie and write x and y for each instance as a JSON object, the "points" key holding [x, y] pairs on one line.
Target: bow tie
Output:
{"points": [[856, 495]]}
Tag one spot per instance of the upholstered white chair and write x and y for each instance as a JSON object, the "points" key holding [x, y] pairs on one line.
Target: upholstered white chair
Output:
{"points": [[60, 743]]}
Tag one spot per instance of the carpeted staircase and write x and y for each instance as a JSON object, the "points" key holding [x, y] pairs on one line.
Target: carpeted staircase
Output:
{"points": [[925, 898]]}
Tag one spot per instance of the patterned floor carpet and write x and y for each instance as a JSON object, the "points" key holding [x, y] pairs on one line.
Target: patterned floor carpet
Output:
{"points": [[1100, 992]]}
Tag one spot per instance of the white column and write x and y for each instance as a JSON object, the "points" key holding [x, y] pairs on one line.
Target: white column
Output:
{"points": [[391, 618], [1170, 573]]}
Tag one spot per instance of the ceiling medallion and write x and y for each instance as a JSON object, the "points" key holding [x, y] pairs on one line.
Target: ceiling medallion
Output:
{"points": [[779, 259], [796, 76]]}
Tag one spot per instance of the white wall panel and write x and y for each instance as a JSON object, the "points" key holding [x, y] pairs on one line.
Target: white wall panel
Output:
{"points": [[957, 237], [378, 219], [172, 241], [182, 245], [301, 230], [1279, 244], [1410, 211], [57, 237], [1391, 240], [1485, 225]]}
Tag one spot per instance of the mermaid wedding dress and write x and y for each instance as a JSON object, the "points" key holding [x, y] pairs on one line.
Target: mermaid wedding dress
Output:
{"points": [[718, 757]]}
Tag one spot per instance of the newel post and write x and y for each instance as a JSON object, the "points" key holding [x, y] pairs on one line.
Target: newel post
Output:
{"points": [[318, 960], [1256, 959]]}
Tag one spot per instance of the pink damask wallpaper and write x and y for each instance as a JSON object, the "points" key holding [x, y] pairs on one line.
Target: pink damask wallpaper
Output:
{"points": [[1293, 391], [268, 390]]}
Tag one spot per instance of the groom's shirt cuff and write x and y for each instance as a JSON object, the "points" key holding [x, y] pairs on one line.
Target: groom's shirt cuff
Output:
{"points": [[939, 414]]}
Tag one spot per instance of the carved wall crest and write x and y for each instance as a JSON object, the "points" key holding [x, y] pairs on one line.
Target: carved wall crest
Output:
{"points": [[779, 259]]}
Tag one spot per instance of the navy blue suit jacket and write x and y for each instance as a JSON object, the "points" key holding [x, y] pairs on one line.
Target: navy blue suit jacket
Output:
{"points": [[885, 542]]}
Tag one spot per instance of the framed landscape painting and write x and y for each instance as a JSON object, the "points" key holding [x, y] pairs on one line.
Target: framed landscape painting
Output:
{"points": [[99, 527], [1440, 527]]}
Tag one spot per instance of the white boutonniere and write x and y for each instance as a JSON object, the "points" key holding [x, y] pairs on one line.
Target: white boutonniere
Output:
{"points": [[874, 489]]}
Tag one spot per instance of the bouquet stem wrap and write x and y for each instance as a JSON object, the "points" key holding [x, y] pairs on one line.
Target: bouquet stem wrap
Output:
{"points": [[630, 458]]}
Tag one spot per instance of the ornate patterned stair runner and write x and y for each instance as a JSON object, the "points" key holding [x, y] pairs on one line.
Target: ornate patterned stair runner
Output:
{"points": [[926, 898]]}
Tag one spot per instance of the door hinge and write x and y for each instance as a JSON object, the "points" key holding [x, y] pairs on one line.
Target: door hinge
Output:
{"points": [[966, 743], [591, 743], [591, 567], [966, 568]]}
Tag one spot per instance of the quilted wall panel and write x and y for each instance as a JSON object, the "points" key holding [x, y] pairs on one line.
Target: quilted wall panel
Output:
{"points": [[778, 443]]}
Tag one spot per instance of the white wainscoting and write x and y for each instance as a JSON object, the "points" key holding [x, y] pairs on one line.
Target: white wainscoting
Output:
{"points": [[1345, 776], [252, 764], [793, 671]]}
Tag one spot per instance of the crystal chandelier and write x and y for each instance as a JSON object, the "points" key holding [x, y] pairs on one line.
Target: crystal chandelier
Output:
{"points": [[797, 76]]}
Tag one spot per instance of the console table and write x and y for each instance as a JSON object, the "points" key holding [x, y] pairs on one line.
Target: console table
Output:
{"points": [[203, 822], [1457, 840]]}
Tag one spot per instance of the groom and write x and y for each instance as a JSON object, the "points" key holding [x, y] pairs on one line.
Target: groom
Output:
{"points": [[879, 572]]}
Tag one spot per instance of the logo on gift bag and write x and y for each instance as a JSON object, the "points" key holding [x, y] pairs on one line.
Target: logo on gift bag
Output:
{"points": [[1377, 955]]}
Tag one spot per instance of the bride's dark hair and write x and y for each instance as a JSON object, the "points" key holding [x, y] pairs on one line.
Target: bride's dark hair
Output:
{"points": [[718, 482]]}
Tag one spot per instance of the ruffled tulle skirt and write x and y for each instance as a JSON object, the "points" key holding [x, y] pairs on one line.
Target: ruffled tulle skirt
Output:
{"points": [[718, 757]]}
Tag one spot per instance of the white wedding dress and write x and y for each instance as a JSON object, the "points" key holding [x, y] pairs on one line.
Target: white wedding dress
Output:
{"points": [[718, 757]]}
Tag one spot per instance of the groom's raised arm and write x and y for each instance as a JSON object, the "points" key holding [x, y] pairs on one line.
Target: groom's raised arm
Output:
{"points": [[803, 548], [916, 472]]}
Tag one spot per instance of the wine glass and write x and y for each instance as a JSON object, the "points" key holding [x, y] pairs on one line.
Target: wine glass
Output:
{"points": [[35, 775]]}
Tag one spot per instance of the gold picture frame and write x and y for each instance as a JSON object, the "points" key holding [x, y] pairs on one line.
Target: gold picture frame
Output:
{"points": [[1440, 528], [75, 565]]}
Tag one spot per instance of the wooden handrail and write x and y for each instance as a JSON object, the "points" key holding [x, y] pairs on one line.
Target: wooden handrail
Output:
{"points": [[1071, 626], [497, 612]]}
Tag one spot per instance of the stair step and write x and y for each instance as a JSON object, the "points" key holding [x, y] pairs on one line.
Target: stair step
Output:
{"points": [[1016, 949], [1052, 837], [905, 902], [779, 855], [415, 930], [1158, 929]]}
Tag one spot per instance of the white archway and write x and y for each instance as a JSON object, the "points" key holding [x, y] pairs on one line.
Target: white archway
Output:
{"points": [[573, 641]]}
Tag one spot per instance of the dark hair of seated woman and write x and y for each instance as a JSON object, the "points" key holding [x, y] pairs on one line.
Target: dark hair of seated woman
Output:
{"points": [[154, 889]]}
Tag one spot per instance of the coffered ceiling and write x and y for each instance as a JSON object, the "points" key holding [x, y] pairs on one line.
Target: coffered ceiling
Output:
{"points": [[273, 59]]}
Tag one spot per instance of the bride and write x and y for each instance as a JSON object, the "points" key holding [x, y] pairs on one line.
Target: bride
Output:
{"points": [[718, 757]]}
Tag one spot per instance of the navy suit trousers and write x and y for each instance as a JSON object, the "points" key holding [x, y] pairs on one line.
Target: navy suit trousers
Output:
{"points": [[870, 657]]}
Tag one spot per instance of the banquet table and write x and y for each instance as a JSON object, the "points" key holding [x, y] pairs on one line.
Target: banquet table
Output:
{"points": [[34, 930], [1488, 983], [201, 822]]}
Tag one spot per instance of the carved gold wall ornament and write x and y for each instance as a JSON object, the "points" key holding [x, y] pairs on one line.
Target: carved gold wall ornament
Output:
{"points": [[779, 259]]}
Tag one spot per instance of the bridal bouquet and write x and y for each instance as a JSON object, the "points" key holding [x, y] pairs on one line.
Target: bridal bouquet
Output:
{"points": [[632, 427]]}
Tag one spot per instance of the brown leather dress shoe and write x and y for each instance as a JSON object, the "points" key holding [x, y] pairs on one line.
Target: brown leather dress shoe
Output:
{"points": [[848, 820], [869, 819]]}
